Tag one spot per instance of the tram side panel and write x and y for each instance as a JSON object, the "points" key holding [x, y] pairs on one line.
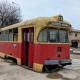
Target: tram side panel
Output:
{"points": [[11, 49]]}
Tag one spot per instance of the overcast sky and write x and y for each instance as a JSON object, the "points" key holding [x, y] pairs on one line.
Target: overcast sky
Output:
{"points": [[69, 9]]}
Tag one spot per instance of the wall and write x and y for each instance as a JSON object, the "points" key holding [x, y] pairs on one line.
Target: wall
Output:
{"points": [[72, 37]]}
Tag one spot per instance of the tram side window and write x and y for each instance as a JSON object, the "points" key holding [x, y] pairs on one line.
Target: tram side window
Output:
{"points": [[6, 35], [15, 34], [10, 34], [2, 35], [43, 36]]}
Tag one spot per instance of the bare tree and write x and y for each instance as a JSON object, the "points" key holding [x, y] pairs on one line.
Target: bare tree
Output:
{"points": [[9, 14]]}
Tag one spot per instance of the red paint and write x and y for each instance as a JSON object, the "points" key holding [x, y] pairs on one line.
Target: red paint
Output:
{"points": [[10, 48], [23, 57], [49, 51]]}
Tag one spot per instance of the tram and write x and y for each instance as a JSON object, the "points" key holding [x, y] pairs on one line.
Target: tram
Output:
{"points": [[39, 44]]}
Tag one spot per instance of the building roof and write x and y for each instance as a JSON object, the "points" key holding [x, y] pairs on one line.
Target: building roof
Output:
{"points": [[75, 30]]}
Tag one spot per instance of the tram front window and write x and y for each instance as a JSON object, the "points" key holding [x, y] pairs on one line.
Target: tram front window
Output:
{"points": [[43, 36], [48, 35], [63, 36], [53, 35]]}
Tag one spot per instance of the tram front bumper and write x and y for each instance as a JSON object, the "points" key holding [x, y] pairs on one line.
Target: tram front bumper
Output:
{"points": [[57, 62]]}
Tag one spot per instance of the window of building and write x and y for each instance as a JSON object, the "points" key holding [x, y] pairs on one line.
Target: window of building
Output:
{"points": [[75, 34]]}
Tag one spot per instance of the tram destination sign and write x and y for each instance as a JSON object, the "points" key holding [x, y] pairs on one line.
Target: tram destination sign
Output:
{"points": [[58, 24]]}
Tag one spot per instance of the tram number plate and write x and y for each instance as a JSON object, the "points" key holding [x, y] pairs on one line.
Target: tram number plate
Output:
{"points": [[66, 61]]}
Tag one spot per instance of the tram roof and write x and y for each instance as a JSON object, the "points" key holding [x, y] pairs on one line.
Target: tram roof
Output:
{"points": [[39, 20]]}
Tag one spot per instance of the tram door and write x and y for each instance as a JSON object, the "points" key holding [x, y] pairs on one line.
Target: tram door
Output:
{"points": [[28, 47], [31, 47], [25, 45]]}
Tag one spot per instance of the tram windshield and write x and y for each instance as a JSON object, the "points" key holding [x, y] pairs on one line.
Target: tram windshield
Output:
{"points": [[63, 36], [53, 35]]}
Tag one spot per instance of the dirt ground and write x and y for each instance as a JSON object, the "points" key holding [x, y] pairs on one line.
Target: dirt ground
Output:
{"points": [[75, 56]]}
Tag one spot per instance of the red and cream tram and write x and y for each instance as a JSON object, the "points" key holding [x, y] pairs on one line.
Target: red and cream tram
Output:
{"points": [[40, 43]]}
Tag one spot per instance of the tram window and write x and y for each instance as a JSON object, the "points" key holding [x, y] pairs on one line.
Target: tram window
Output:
{"points": [[15, 34], [26, 36], [43, 36], [15, 37], [15, 30], [32, 39], [53, 35], [10, 35], [10, 31], [2, 35], [6, 35], [63, 36]]}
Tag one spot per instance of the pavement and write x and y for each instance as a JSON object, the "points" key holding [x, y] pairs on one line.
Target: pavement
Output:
{"points": [[11, 71], [76, 51]]}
